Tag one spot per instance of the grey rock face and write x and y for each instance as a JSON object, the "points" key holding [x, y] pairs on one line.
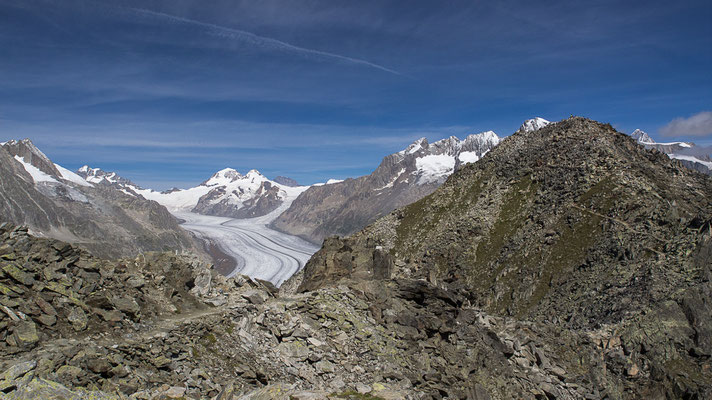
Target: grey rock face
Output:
{"points": [[30, 153], [696, 166], [101, 218], [367, 337], [283, 180]]}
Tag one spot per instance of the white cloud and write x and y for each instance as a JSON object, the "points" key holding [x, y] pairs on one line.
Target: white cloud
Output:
{"points": [[699, 124], [262, 41]]}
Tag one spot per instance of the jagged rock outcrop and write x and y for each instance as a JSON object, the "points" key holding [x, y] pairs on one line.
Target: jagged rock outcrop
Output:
{"points": [[573, 226], [160, 327], [55, 202], [401, 178]]}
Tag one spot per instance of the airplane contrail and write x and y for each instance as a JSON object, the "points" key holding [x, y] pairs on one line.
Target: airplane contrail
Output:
{"points": [[258, 40]]}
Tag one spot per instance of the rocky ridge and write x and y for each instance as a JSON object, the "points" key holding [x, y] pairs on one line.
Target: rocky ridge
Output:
{"points": [[575, 227], [599, 306], [167, 327], [401, 178]]}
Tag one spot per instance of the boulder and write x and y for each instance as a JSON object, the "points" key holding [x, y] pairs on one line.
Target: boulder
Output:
{"points": [[256, 296]]}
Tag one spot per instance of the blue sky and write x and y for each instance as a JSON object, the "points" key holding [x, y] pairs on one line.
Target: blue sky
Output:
{"points": [[167, 92]]}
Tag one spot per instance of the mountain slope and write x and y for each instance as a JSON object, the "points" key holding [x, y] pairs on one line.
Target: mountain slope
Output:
{"points": [[58, 203], [401, 178], [133, 330], [573, 226], [566, 199]]}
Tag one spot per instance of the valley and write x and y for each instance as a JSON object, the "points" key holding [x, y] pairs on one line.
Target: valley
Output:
{"points": [[355, 200], [255, 250]]}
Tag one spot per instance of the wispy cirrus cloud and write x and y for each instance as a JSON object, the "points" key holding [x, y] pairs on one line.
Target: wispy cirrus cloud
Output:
{"points": [[261, 41], [699, 124]]}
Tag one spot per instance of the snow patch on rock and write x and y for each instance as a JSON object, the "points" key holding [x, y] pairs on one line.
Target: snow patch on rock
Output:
{"points": [[71, 176], [37, 175]]}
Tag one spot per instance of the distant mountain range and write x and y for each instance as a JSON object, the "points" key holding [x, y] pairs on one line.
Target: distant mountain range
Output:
{"points": [[323, 209], [401, 178], [81, 206], [227, 193]]}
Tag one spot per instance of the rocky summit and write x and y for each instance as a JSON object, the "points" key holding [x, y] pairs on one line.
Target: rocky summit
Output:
{"points": [[573, 226], [568, 263]]}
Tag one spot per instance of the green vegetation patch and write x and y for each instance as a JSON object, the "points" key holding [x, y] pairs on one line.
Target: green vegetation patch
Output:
{"points": [[420, 219], [353, 395], [574, 241], [509, 221]]}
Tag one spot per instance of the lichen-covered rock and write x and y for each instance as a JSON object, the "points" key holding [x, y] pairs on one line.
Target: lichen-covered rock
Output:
{"points": [[49, 390], [9, 378], [78, 319], [25, 333], [256, 296]]}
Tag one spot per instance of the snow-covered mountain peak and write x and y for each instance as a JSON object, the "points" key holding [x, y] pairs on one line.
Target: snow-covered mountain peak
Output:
{"points": [[641, 136], [253, 173], [229, 176], [415, 146], [434, 162], [223, 177], [89, 171], [487, 138], [484, 136], [97, 175], [39, 166], [533, 124]]}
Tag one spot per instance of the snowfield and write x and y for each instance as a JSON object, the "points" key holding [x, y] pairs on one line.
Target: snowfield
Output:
{"points": [[434, 168], [259, 252]]}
